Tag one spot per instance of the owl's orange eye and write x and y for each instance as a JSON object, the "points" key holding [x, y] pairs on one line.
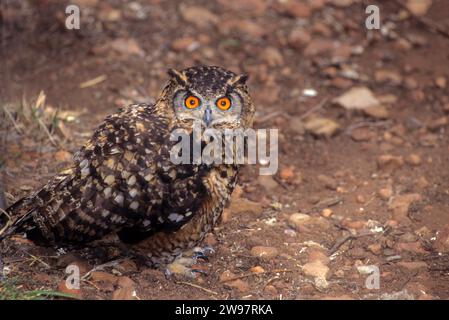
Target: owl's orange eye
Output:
{"points": [[192, 102], [224, 103]]}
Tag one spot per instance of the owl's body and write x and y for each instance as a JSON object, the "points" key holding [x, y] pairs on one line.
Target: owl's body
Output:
{"points": [[123, 180]]}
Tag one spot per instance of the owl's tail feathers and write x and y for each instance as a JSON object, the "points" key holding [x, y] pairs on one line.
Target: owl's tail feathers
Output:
{"points": [[8, 226]]}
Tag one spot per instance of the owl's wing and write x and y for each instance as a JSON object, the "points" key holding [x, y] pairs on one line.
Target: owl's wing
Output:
{"points": [[193, 192], [102, 192], [179, 190], [184, 193], [219, 182]]}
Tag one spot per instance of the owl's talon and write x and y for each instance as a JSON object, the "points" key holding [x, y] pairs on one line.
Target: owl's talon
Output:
{"points": [[177, 269], [199, 271], [189, 264], [200, 255], [167, 274], [206, 250]]}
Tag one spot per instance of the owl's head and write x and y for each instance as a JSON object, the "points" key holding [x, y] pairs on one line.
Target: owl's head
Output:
{"points": [[216, 97]]}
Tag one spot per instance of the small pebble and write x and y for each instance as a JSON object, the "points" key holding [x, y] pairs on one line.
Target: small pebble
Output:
{"points": [[271, 290], [328, 182], [375, 248], [360, 199], [257, 269], [296, 220], [385, 193], [265, 253], [413, 159], [327, 212]]}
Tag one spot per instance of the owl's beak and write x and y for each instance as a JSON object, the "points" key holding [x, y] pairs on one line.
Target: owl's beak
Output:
{"points": [[208, 116]]}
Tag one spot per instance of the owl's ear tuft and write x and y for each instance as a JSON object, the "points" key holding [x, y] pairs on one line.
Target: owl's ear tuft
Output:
{"points": [[178, 76], [239, 79]]}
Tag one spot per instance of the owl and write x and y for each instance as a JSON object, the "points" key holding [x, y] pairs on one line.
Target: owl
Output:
{"points": [[123, 180]]}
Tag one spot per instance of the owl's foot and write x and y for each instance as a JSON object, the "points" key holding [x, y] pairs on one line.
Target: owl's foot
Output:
{"points": [[202, 253], [190, 264]]}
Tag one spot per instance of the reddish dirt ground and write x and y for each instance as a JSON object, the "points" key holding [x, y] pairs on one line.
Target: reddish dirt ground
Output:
{"points": [[354, 188]]}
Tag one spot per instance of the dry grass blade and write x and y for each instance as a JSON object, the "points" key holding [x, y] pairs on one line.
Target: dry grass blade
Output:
{"points": [[40, 102], [11, 118], [8, 223], [44, 127], [27, 117], [91, 283], [35, 258], [93, 82], [40, 105]]}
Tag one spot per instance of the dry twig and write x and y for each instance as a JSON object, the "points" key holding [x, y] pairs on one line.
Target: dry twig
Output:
{"points": [[197, 286], [101, 267], [257, 274], [367, 124], [342, 240], [430, 24], [35, 258], [314, 109], [269, 116]]}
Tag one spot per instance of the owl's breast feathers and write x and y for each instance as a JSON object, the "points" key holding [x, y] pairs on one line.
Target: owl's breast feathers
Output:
{"points": [[122, 180]]}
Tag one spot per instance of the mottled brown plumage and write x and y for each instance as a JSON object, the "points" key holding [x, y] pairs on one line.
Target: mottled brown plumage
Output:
{"points": [[123, 181]]}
